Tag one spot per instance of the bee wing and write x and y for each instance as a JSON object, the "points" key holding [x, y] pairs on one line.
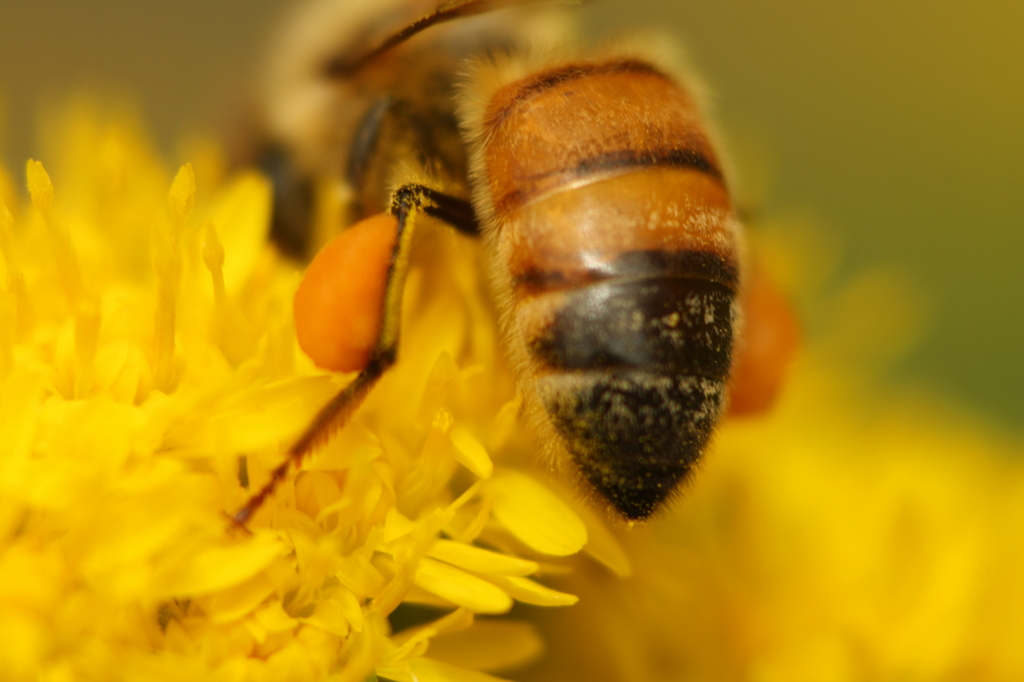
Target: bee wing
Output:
{"points": [[446, 11]]}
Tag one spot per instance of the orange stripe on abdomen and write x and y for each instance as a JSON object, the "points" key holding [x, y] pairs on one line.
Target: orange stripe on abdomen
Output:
{"points": [[579, 122], [572, 237]]}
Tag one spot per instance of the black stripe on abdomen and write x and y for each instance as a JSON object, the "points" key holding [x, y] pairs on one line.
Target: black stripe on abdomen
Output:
{"points": [[630, 264], [621, 159], [596, 167], [667, 324]]}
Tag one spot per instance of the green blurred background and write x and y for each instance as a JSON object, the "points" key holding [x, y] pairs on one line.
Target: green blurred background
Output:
{"points": [[896, 128]]}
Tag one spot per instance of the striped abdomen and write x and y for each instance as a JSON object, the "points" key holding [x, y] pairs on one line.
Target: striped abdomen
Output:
{"points": [[618, 250]]}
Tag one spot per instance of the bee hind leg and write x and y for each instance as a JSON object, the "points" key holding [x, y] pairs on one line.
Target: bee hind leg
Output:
{"points": [[407, 203]]}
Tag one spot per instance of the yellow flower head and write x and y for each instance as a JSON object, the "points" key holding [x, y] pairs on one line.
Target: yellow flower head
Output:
{"points": [[150, 381]]}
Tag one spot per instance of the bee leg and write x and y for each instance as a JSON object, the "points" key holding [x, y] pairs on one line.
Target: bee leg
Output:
{"points": [[331, 417], [406, 204], [453, 211]]}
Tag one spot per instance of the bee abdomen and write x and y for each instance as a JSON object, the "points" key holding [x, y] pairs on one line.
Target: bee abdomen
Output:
{"points": [[634, 434], [617, 254], [632, 372]]}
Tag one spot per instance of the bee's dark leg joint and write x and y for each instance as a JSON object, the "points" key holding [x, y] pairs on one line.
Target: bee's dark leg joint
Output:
{"points": [[383, 359], [453, 211]]}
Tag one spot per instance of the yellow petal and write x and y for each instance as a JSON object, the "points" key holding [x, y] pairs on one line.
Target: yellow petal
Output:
{"points": [[603, 545], [459, 619], [536, 515], [357, 574], [490, 645], [6, 223], [314, 491], [505, 421], [239, 601], [468, 522], [254, 420], [182, 196], [530, 592], [25, 643], [418, 595], [426, 670], [396, 525], [440, 383], [481, 560], [213, 254], [40, 188], [470, 452], [241, 217], [217, 568], [461, 588], [414, 641], [7, 191], [330, 616], [349, 606], [123, 372], [362, 654], [274, 618], [19, 404]]}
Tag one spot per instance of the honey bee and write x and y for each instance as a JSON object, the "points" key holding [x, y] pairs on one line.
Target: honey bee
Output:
{"points": [[618, 262]]}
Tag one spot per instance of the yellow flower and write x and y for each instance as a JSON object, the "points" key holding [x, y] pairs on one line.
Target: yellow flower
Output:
{"points": [[149, 381]]}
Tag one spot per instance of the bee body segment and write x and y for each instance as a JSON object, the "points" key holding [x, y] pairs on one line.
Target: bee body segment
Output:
{"points": [[616, 257]]}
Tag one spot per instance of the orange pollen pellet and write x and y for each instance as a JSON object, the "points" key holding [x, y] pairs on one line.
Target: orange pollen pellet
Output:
{"points": [[771, 338], [340, 300]]}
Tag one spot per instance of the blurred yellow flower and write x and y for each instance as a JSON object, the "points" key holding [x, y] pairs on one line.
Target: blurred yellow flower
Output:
{"points": [[149, 380], [848, 537]]}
